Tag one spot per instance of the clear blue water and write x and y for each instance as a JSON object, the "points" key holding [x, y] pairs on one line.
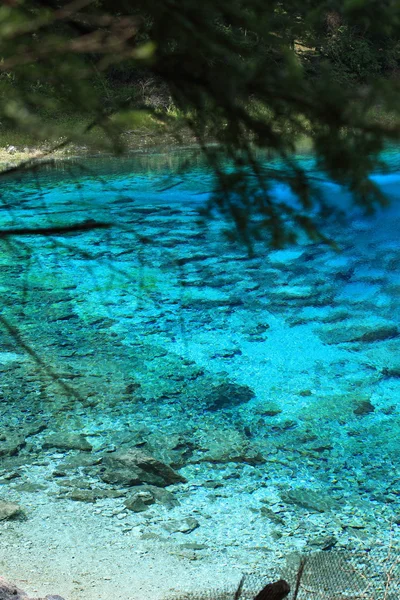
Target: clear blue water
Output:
{"points": [[269, 383]]}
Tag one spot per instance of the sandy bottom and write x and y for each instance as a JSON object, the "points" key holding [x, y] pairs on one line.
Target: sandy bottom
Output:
{"points": [[66, 549]]}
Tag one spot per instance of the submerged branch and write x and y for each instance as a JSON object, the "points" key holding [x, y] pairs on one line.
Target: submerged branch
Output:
{"points": [[87, 225]]}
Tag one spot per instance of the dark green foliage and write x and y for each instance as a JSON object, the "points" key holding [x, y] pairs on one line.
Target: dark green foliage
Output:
{"points": [[359, 58], [251, 77]]}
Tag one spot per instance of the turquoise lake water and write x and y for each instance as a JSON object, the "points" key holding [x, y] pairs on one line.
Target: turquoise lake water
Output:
{"points": [[231, 407]]}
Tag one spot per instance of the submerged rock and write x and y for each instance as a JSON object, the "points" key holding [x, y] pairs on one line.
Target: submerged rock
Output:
{"points": [[186, 525], [366, 331], [364, 407], [9, 591], [219, 453], [228, 395], [280, 258], [139, 502], [90, 495], [11, 445], [285, 293], [67, 441], [133, 467], [75, 463], [145, 495], [268, 409], [173, 449], [9, 510], [393, 371], [30, 487], [267, 512], [83, 496], [226, 445], [309, 499], [385, 358], [323, 542]]}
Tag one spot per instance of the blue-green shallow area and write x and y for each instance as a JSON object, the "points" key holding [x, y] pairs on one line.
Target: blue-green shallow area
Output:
{"points": [[270, 384]]}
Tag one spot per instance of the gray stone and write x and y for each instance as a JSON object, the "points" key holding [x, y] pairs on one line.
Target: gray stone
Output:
{"points": [[9, 591], [134, 467], [335, 316], [73, 463], [59, 473], [365, 331], [11, 445], [228, 395], [392, 371], [269, 409], [226, 445], [174, 449], [186, 525], [139, 501], [309, 499], [193, 546], [150, 494], [83, 496], [283, 425], [10, 476], [385, 357], [78, 483], [271, 515], [151, 352], [30, 429], [29, 487], [244, 454], [364, 407], [66, 441], [323, 542], [9, 510], [280, 258], [292, 292], [90, 496]]}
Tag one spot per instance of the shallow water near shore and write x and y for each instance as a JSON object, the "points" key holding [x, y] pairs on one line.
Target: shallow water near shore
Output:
{"points": [[268, 384]]}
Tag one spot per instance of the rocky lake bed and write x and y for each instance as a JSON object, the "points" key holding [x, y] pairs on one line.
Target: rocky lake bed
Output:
{"points": [[174, 412]]}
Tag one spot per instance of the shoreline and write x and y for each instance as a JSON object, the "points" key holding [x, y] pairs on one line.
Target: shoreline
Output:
{"points": [[147, 142], [133, 143]]}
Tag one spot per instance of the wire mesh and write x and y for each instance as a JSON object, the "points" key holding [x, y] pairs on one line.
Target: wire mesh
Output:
{"points": [[358, 575], [331, 575]]}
